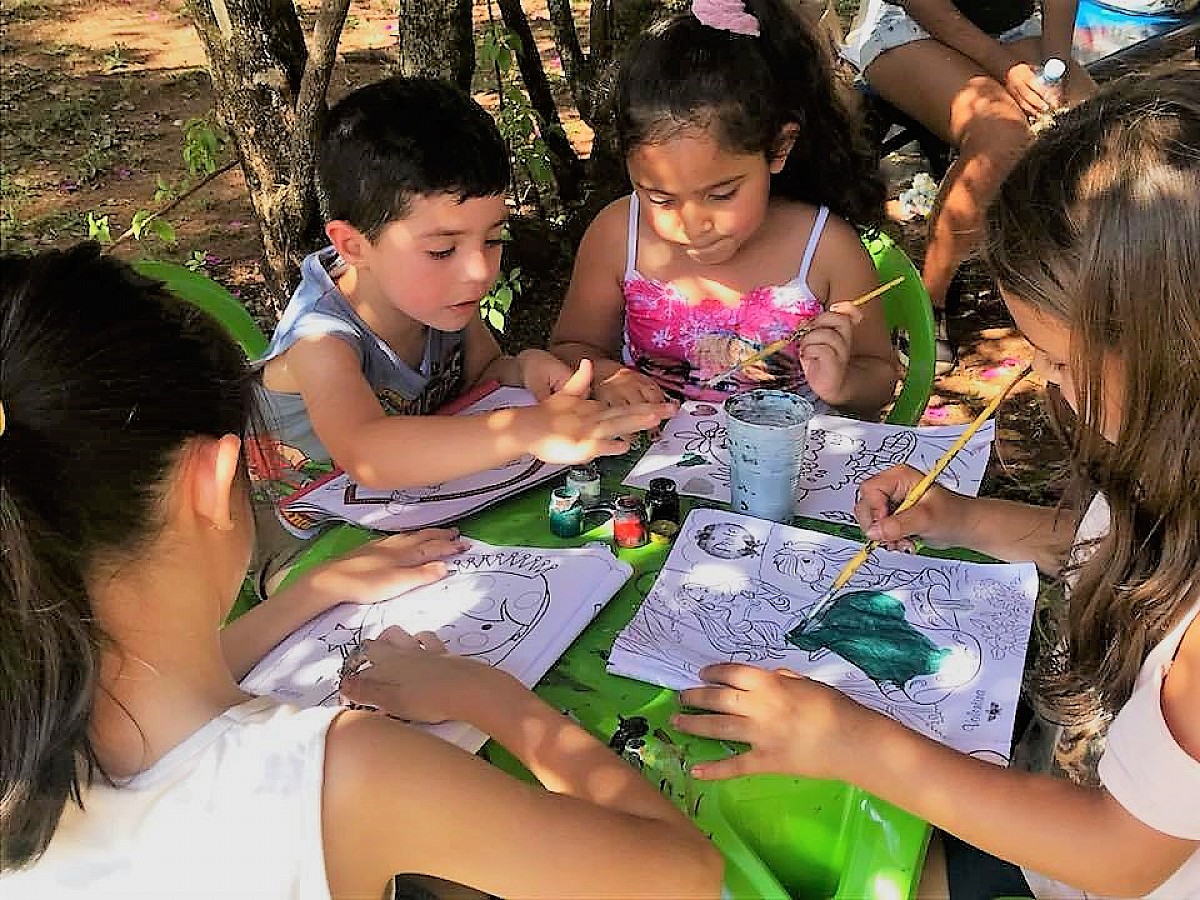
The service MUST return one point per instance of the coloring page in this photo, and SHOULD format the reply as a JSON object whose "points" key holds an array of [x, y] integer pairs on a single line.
{"points": [[407, 509], [840, 454], [516, 608], [936, 644]]}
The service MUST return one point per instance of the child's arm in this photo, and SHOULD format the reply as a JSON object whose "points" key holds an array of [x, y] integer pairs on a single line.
{"points": [[539, 371], [848, 357], [1078, 835], [382, 451], [949, 26], [377, 571], [1003, 529], [592, 320], [399, 801]]}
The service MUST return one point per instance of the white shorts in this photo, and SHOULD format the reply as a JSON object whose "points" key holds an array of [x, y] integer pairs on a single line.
{"points": [[881, 26]]}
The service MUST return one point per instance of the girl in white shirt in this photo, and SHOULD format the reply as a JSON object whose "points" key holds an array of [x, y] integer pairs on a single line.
{"points": [[1095, 244], [132, 765]]}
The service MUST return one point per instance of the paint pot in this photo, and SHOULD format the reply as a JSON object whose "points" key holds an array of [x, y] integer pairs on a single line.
{"points": [[662, 532], [766, 431], [629, 522], [662, 500], [585, 479], [565, 512]]}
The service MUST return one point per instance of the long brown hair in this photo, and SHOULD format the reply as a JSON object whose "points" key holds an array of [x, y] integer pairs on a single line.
{"points": [[1099, 227]]}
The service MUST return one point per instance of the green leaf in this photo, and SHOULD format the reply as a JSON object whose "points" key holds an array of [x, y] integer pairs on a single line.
{"points": [[163, 230], [496, 319], [98, 229], [141, 219]]}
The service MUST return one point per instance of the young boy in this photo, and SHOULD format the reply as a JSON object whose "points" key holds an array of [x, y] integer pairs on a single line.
{"points": [[385, 326]]}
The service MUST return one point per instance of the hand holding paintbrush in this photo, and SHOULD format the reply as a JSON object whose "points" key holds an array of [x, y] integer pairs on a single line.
{"points": [[914, 495], [775, 346]]}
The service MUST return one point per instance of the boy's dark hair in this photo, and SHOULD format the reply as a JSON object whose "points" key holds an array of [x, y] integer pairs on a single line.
{"points": [[104, 377], [399, 138], [682, 74]]}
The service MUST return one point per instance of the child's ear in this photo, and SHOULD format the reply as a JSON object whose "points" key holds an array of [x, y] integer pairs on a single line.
{"points": [[783, 146], [215, 484], [351, 244]]}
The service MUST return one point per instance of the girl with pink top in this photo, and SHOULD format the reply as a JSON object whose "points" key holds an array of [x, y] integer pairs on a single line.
{"points": [[749, 181], [1094, 240]]}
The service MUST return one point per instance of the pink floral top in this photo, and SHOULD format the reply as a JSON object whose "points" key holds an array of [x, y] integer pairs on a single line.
{"points": [[682, 344]]}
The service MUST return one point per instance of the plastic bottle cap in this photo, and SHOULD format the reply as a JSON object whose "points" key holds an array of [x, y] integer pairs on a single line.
{"points": [[1054, 70]]}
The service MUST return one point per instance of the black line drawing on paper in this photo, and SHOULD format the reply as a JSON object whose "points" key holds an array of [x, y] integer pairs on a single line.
{"points": [[396, 501], [840, 454], [728, 541], [934, 643]]}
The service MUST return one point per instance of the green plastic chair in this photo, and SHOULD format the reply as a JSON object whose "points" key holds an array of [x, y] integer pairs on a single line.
{"points": [[907, 309], [210, 297], [226, 309]]}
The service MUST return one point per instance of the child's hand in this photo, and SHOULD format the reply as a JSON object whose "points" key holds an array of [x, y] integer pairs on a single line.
{"points": [[939, 518], [542, 373], [411, 676], [826, 350], [794, 726], [569, 428], [387, 568], [626, 387]]}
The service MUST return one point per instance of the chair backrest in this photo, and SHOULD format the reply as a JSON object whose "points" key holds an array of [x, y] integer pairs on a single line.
{"points": [[210, 297], [908, 309]]}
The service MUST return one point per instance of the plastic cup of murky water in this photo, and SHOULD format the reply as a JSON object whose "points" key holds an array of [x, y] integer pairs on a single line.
{"points": [[766, 431]]}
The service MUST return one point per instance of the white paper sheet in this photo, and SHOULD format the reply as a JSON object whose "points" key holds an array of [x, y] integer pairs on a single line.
{"points": [[407, 509], [517, 608], [841, 454], [937, 644]]}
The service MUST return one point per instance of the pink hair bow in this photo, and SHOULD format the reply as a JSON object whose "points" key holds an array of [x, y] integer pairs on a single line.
{"points": [[726, 15]]}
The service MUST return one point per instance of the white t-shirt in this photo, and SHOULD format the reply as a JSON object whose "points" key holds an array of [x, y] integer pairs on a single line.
{"points": [[1142, 766], [233, 811]]}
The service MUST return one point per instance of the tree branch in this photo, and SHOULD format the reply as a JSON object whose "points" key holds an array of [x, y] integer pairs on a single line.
{"points": [[566, 39], [167, 207]]}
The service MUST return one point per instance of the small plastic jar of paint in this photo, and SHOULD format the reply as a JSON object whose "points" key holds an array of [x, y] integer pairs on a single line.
{"points": [[565, 512], [629, 522], [662, 500], [585, 479], [662, 532]]}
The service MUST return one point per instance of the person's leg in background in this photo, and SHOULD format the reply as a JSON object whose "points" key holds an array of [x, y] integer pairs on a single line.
{"points": [[955, 99]]}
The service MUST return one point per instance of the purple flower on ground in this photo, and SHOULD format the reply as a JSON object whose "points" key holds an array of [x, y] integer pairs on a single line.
{"points": [[937, 414], [124, 173]]}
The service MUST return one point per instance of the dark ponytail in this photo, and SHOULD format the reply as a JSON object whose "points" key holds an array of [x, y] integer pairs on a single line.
{"points": [[682, 74], [103, 378]]}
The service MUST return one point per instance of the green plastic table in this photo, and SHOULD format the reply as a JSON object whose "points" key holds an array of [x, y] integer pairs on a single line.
{"points": [[781, 837]]}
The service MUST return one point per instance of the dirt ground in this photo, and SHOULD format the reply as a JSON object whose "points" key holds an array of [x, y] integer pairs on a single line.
{"points": [[94, 100]]}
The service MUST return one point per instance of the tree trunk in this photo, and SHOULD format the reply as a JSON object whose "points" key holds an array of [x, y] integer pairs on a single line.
{"points": [[612, 25], [568, 173], [270, 95], [437, 38]]}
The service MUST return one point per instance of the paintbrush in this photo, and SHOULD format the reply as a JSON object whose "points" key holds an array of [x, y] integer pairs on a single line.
{"points": [[775, 346], [911, 498]]}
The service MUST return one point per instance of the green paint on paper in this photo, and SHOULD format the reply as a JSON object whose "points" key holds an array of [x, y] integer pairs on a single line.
{"points": [[868, 629]]}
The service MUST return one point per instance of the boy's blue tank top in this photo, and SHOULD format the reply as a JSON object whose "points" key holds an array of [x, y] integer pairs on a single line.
{"points": [[319, 308]]}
